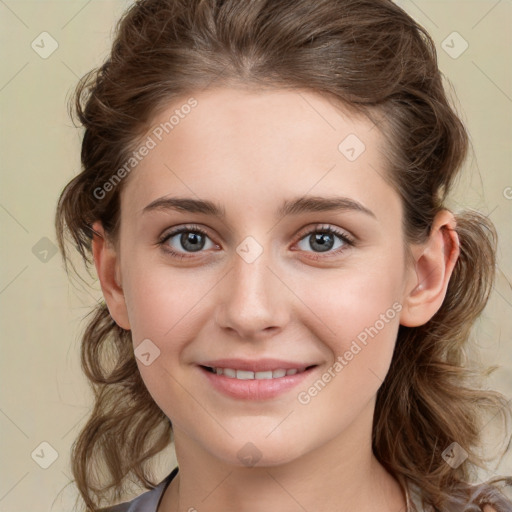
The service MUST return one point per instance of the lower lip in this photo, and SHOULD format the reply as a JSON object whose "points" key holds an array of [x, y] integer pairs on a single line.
{"points": [[254, 389]]}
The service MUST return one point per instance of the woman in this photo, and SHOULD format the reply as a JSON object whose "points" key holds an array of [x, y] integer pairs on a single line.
{"points": [[287, 298]]}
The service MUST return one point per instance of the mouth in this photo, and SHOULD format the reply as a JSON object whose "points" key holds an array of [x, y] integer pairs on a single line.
{"points": [[234, 373], [261, 380]]}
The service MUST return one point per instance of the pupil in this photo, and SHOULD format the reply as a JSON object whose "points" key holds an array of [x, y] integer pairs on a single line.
{"points": [[192, 241], [324, 240]]}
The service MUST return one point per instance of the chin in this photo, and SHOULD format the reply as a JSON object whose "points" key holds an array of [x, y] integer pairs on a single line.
{"points": [[257, 454]]}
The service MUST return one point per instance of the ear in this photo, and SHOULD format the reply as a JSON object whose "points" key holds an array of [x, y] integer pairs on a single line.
{"points": [[433, 264], [107, 268]]}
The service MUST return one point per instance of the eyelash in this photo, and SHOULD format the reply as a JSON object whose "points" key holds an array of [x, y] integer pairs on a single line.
{"points": [[346, 239]]}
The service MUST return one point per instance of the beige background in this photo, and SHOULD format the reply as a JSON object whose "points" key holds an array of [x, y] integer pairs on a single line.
{"points": [[43, 397]]}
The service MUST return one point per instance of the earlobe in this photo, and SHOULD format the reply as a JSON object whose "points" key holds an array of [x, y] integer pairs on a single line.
{"points": [[434, 262], [107, 268]]}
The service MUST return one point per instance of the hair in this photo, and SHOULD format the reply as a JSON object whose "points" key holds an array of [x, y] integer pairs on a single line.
{"points": [[370, 57]]}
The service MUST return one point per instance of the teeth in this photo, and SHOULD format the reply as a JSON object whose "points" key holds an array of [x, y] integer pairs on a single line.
{"points": [[263, 375], [244, 375], [248, 375]]}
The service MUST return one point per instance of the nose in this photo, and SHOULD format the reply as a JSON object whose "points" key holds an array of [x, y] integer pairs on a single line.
{"points": [[253, 301]]}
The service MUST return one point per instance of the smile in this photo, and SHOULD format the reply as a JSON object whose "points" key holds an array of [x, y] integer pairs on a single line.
{"points": [[248, 375], [256, 380]]}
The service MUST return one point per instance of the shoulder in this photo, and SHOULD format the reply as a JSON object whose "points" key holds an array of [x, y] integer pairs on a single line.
{"points": [[135, 505], [146, 502], [122, 507]]}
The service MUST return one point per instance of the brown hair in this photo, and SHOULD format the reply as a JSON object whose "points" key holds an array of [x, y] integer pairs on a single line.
{"points": [[370, 56]]}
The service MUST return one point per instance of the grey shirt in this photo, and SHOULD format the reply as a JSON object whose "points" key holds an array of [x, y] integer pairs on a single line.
{"points": [[146, 502], [150, 500]]}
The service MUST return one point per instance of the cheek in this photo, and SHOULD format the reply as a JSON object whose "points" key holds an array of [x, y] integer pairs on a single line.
{"points": [[353, 300], [167, 308], [359, 325], [160, 300], [356, 315]]}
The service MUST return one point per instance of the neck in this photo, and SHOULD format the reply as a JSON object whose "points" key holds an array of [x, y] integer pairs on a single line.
{"points": [[340, 475]]}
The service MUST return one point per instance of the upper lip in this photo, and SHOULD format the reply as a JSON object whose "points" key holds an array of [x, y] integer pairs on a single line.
{"points": [[256, 365]]}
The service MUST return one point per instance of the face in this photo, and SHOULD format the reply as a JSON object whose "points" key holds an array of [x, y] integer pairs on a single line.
{"points": [[282, 281]]}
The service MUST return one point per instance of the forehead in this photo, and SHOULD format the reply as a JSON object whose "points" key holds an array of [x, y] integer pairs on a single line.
{"points": [[256, 147], [227, 117]]}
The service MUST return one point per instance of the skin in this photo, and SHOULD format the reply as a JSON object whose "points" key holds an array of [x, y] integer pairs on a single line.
{"points": [[249, 151]]}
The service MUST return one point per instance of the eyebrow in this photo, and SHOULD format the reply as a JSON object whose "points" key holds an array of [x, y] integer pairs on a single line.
{"points": [[305, 204]]}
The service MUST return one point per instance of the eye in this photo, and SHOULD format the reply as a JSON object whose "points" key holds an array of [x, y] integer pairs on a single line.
{"points": [[194, 239], [191, 239], [323, 240]]}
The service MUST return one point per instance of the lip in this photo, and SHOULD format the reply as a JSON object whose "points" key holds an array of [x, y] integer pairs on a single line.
{"points": [[255, 389], [259, 365]]}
